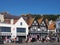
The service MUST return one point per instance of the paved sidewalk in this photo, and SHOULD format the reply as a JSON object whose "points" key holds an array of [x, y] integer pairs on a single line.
{"points": [[34, 43]]}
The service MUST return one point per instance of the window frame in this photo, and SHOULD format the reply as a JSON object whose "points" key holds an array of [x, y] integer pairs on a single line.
{"points": [[5, 29], [20, 30]]}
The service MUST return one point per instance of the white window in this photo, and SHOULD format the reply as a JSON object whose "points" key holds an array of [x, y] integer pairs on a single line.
{"points": [[35, 27], [31, 29], [36, 24], [39, 29], [34, 21], [43, 29]]}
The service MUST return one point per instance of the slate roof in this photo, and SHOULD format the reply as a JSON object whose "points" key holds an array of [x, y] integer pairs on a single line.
{"points": [[9, 16]]}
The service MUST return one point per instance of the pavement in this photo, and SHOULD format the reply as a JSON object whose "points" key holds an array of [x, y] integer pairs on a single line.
{"points": [[34, 43]]}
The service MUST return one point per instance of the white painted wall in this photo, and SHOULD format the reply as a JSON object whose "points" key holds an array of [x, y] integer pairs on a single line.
{"points": [[24, 25], [14, 26], [4, 25], [57, 24], [13, 32], [52, 31], [21, 20]]}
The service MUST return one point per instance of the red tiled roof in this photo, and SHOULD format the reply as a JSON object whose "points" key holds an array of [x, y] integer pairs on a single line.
{"points": [[40, 20], [7, 21], [9, 16], [30, 21], [15, 20]]}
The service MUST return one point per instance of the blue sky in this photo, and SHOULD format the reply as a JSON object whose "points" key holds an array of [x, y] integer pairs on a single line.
{"points": [[18, 7]]}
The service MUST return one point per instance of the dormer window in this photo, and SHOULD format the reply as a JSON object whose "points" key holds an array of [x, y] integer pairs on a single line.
{"points": [[21, 23]]}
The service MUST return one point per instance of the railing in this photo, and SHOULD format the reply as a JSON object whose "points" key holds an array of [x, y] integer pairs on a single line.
{"points": [[5, 33], [21, 34], [38, 31]]}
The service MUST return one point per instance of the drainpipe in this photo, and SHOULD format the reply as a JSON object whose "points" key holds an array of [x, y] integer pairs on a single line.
{"points": [[11, 22], [26, 36]]}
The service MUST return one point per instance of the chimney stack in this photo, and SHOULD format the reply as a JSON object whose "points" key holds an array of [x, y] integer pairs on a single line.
{"points": [[12, 21]]}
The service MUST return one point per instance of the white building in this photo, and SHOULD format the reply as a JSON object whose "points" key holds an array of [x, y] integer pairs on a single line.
{"points": [[58, 25], [13, 30]]}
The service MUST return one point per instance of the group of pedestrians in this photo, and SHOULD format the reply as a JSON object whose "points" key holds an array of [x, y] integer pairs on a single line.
{"points": [[33, 38]]}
